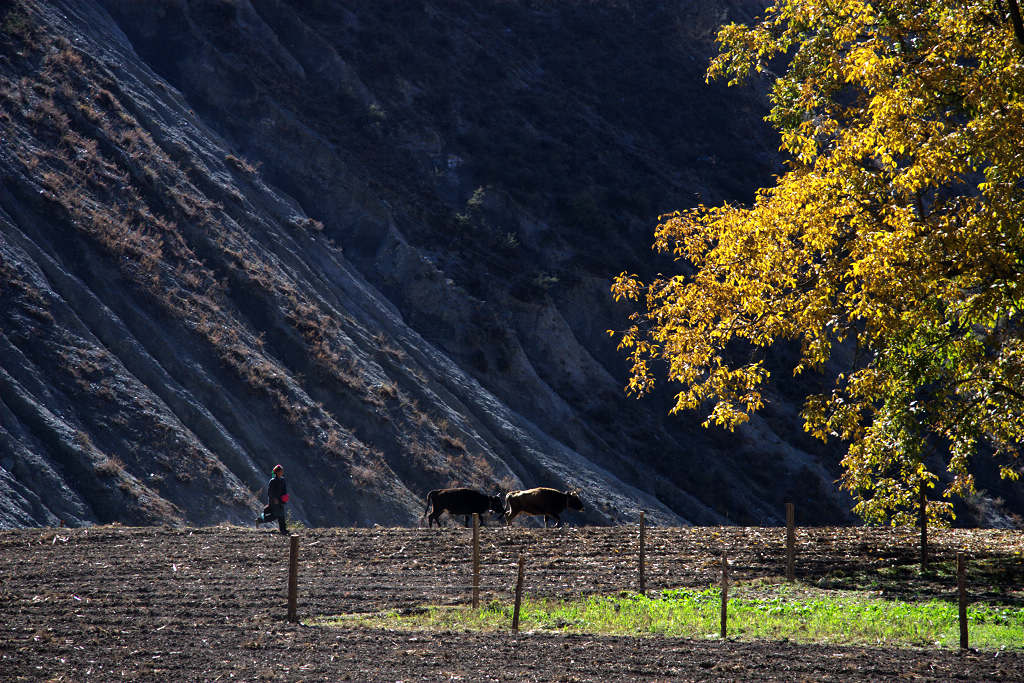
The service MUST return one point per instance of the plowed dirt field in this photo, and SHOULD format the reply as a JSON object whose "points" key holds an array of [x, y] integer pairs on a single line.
{"points": [[205, 604]]}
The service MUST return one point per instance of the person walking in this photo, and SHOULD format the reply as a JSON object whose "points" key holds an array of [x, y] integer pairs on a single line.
{"points": [[277, 492]]}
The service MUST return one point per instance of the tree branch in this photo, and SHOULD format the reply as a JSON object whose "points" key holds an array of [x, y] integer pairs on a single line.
{"points": [[1015, 19], [999, 386]]}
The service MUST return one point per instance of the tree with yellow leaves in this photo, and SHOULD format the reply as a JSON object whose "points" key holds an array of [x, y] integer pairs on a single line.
{"points": [[897, 229]]}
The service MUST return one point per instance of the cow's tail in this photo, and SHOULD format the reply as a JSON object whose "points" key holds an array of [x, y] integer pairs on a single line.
{"points": [[430, 504]]}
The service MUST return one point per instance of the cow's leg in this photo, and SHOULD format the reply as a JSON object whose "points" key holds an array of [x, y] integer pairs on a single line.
{"points": [[545, 521]]}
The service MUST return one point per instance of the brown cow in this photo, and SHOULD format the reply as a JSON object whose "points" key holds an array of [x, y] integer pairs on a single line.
{"points": [[460, 501], [541, 501]]}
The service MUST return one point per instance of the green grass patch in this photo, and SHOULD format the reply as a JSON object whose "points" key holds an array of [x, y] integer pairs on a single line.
{"points": [[756, 613]]}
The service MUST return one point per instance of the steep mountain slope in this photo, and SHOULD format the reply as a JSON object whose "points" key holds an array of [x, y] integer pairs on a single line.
{"points": [[369, 240]]}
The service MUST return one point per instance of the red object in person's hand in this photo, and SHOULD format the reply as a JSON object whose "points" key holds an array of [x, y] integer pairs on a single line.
{"points": [[284, 498]]}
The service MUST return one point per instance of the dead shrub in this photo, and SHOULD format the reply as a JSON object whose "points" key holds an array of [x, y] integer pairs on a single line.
{"points": [[110, 466], [240, 164], [363, 476]]}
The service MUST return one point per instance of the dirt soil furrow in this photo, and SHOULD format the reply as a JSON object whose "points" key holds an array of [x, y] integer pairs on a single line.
{"points": [[158, 603]]}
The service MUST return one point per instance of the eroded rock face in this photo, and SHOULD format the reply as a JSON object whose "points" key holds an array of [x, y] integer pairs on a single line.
{"points": [[371, 241]]}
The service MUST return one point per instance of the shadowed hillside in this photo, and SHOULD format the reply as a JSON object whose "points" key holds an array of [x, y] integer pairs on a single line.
{"points": [[369, 240]]}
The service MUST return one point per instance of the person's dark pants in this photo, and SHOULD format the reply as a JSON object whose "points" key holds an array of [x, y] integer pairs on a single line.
{"points": [[276, 511]]}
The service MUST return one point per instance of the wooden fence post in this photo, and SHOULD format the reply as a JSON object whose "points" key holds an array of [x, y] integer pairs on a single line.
{"points": [[790, 543], [476, 560], [961, 591], [643, 579], [725, 591], [519, 594], [923, 517], [293, 580]]}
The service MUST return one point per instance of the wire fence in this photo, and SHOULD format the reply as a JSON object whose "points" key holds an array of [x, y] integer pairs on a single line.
{"points": [[422, 567]]}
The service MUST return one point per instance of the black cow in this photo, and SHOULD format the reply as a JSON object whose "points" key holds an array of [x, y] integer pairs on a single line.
{"points": [[461, 502], [541, 501]]}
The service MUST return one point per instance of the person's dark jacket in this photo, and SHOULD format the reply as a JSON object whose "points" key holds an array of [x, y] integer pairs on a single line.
{"points": [[277, 491]]}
